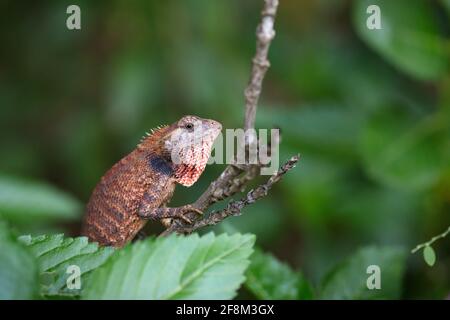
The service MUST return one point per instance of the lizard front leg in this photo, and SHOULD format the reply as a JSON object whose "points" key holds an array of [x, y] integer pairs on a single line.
{"points": [[146, 211]]}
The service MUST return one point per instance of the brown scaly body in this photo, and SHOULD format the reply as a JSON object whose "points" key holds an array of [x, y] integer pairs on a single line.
{"points": [[138, 187]]}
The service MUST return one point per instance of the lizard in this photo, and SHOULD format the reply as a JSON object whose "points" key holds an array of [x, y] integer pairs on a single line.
{"points": [[138, 187]]}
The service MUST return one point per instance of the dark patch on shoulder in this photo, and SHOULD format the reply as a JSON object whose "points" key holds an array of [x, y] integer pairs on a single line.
{"points": [[148, 197], [160, 165]]}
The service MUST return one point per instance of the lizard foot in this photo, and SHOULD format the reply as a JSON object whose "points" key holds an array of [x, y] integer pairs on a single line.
{"points": [[184, 210]]}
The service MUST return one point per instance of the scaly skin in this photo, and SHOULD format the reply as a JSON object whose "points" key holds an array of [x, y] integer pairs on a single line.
{"points": [[138, 187]]}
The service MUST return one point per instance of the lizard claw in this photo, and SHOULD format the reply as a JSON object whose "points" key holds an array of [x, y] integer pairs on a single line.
{"points": [[194, 209], [188, 209], [185, 219]]}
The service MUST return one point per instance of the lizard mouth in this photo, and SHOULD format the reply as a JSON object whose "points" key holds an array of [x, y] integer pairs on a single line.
{"points": [[212, 127]]}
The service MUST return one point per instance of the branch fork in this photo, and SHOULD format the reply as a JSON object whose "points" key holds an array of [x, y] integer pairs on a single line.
{"points": [[235, 178]]}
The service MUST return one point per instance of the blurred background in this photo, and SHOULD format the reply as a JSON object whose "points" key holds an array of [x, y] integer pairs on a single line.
{"points": [[369, 112]]}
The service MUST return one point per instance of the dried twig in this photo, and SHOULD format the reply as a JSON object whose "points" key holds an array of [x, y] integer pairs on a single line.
{"points": [[235, 207], [234, 178], [265, 34]]}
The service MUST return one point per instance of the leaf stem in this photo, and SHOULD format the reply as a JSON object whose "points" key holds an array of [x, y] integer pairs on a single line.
{"points": [[431, 241]]}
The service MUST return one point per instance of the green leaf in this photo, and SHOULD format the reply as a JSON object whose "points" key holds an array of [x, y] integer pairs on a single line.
{"points": [[23, 201], [446, 4], [429, 256], [405, 151], [18, 268], [175, 267], [379, 204], [349, 279], [314, 188], [409, 37], [270, 279], [55, 254], [266, 230], [327, 128]]}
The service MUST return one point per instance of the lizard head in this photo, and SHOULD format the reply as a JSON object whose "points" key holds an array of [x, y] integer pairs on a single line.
{"points": [[188, 143]]}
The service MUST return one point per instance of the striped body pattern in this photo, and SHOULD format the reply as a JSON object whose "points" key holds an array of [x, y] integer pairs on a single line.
{"points": [[140, 185]]}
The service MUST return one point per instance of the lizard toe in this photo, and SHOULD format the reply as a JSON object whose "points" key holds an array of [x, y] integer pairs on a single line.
{"points": [[185, 219], [190, 208]]}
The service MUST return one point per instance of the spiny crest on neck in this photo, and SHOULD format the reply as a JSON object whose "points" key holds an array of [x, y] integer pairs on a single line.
{"points": [[153, 135], [184, 146]]}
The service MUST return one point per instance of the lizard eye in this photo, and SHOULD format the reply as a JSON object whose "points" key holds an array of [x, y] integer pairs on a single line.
{"points": [[189, 126]]}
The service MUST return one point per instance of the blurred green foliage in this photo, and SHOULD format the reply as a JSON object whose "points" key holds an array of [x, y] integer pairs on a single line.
{"points": [[18, 271], [346, 281], [369, 111], [270, 279], [41, 203]]}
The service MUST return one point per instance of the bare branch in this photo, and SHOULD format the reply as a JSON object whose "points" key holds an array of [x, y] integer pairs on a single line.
{"points": [[234, 178], [265, 34], [235, 207]]}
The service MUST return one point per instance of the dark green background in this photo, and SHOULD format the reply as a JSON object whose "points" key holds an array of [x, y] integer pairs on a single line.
{"points": [[369, 112]]}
